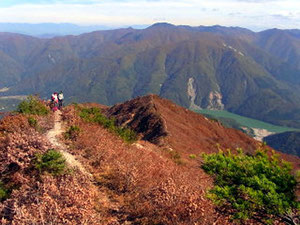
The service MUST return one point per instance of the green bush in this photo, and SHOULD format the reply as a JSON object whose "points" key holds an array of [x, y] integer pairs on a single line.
{"points": [[192, 156], [72, 132], [94, 115], [3, 192], [258, 186], [32, 122], [32, 105], [127, 134], [52, 162]]}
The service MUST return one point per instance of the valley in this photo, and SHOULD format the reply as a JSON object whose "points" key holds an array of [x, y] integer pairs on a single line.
{"points": [[243, 123], [152, 112], [227, 68]]}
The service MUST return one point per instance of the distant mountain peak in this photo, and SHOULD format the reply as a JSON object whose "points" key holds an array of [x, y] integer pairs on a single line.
{"points": [[162, 25]]}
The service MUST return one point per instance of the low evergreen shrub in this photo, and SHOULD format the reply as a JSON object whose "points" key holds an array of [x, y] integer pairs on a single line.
{"points": [[52, 162], [127, 134], [32, 105], [258, 186], [72, 132], [192, 156], [94, 115], [3, 192], [32, 122]]}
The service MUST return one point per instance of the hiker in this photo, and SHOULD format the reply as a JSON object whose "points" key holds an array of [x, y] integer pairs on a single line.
{"points": [[54, 101], [60, 99]]}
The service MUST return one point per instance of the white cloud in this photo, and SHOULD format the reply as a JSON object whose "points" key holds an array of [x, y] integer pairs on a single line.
{"points": [[245, 13]]}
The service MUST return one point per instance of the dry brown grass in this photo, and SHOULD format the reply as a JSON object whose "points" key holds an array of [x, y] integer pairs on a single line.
{"points": [[133, 184], [153, 189], [37, 198]]}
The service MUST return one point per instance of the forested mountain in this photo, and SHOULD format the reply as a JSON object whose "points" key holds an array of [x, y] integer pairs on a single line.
{"points": [[288, 142], [232, 68]]}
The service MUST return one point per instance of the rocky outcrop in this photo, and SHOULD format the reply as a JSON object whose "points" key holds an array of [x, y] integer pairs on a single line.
{"points": [[140, 115], [191, 91], [215, 101], [162, 122]]}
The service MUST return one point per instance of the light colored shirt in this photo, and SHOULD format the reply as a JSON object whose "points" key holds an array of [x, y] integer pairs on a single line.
{"points": [[60, 96]]}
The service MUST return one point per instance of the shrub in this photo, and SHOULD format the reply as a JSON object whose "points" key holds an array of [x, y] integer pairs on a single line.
{"points": [[127, 134], [192, 156], [258, 186], [32, 122], [176, 157], [3, 192], [94, 115], [72, 132], [52, 162], [32, 105]]}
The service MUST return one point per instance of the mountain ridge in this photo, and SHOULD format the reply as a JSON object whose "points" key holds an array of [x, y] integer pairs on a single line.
{"points": [[107, 180], [234, 71]]}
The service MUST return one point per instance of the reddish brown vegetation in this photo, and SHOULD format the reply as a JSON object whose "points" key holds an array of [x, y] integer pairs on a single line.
{"points": [[176, 126], [143, 117], [143, 184], [162, 122], [133, 184], [148, 188], [36, 198]]}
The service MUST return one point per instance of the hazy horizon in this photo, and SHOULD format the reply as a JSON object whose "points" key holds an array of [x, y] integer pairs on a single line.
{"points": [[256, 15], [61, 29]]}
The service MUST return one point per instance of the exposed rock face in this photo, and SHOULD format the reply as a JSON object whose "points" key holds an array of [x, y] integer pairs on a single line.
{"points": [[260, 134], [141, 115], [162, 122], [215, 101], [191, 91]]}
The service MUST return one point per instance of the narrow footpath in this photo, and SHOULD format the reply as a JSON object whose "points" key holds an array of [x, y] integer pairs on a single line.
{"points": [[53, 137], [107, 203]]}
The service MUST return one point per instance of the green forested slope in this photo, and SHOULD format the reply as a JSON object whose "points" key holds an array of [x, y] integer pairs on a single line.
{"points": [[230, 67]]}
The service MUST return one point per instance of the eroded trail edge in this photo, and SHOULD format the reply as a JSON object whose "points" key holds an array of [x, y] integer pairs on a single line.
{"points": [[53, 137]]}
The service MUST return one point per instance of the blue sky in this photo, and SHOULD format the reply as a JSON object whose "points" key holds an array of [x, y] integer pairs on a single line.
{"points": [[253, 14]]}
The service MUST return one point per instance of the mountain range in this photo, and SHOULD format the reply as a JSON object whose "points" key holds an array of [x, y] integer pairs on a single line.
{"points": [[232, 68]]}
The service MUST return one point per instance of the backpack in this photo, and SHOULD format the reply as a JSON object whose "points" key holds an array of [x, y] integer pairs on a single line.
{"points": [[60, 96], [54, 98]]}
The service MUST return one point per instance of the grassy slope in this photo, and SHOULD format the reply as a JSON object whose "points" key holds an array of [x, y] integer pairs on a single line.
{"points": [[247, 122]]}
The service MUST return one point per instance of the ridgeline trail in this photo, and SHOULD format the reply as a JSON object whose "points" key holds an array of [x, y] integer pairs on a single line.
{"points": [[53, 137], [107, 202]]}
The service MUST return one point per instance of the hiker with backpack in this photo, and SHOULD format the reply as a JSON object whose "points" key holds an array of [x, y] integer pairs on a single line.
{"points": [[54, 101], [60, 99]]}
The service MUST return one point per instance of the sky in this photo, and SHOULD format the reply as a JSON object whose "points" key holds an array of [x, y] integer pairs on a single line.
{"points": [[253, 14]]}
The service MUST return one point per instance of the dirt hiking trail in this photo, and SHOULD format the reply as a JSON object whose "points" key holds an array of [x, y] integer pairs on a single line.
{"points": [[53, 137], [104, 200]]}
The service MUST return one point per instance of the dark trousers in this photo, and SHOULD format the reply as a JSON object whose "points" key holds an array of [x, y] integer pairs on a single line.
{"points": [[60, 104]]}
